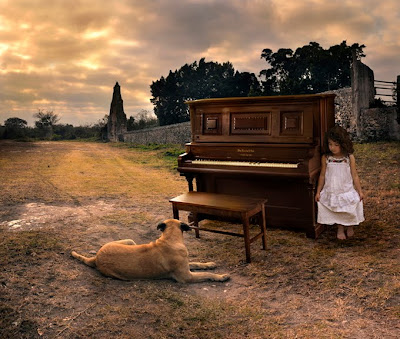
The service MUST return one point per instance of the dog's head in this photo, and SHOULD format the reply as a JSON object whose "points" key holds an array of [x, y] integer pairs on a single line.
{"points": [[173, 223]]}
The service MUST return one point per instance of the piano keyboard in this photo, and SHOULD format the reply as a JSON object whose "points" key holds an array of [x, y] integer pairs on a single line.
{"points": [[244, 163]]}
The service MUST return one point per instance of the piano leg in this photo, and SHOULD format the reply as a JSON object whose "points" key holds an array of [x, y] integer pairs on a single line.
{"points": [[316, 229], [189, 178]]}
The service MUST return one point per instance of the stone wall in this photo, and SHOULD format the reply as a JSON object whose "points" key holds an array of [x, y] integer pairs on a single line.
{"points": [[374, 124], [378, 124], [343, 107], [171, 134]]}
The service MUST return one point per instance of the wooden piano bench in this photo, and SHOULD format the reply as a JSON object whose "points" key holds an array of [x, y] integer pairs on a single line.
{"points": [[222, 205]]}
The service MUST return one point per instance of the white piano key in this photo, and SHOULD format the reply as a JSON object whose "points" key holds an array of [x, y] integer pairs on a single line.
{"points": [[244, 163]]}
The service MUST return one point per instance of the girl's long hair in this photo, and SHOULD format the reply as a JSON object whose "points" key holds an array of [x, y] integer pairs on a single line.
{"points": [[339, 135]]}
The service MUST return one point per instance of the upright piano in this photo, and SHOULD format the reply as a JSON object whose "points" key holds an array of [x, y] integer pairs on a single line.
{"points": [[262, 147]]}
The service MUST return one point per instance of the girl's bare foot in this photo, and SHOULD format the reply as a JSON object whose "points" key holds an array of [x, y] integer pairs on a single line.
{"points": [[340, 233], [350, 231]]}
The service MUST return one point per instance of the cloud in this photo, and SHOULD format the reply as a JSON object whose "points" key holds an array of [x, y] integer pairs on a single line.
{"points": [[66, 56]]}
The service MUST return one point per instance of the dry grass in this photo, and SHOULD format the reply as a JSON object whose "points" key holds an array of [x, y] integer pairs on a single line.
{"points": [[58, 196]]}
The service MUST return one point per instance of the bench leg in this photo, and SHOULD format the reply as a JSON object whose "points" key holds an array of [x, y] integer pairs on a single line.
{"points": [[264, 227], [246, 233], [175, 212], [196, 224]]}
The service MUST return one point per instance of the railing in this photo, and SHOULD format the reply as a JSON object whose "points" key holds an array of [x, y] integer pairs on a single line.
{"points": [[386, 89], [390, 89]]}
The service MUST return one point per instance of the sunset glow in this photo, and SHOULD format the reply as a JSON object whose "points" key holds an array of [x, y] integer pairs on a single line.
{"points": [[66, 56]]}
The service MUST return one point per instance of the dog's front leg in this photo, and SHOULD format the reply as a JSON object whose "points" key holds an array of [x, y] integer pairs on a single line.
{"points": [[193, 277], [202, 266]]}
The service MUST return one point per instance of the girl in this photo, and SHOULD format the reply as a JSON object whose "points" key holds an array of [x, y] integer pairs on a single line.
{"points": [[339, 194]]}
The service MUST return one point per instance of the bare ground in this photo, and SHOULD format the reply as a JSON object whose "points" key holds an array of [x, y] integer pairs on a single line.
{"points": [[60, 196]]}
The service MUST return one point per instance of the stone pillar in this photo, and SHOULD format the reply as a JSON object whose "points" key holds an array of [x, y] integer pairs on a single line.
{"points": [[363, 93], [117, 122]]}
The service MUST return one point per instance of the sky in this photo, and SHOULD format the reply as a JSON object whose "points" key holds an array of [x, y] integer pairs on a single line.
{"points": [[65, 56]]}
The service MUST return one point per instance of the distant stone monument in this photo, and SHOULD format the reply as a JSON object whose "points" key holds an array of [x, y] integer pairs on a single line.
{"points": [[117, 122]]}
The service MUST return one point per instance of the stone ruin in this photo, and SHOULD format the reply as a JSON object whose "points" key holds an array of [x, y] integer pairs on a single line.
{"points": [[117, 122], [368, 123], [354, 109]]}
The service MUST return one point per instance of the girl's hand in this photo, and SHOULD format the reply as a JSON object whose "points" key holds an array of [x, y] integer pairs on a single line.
{"points": [[317, 196], [361, 194]]}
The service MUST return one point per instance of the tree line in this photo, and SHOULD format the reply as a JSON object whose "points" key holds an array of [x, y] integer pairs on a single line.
{"points": [[308, 69], [47, 128]]}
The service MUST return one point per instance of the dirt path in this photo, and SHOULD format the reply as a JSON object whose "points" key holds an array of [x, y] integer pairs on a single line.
{"points": [[60, 196]]}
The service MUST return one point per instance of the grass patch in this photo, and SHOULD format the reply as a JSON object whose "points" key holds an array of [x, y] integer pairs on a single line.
{"points": [[126, 218], [299, 287], [157, 155], [27, 246], [12, 326]]}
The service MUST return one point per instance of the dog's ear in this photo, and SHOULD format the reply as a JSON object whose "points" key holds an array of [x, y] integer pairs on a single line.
{"points": [[161, 226], [185, 227]]}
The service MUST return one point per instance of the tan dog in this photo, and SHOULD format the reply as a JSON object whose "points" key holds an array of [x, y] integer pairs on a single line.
{"points": [[167, 257]]}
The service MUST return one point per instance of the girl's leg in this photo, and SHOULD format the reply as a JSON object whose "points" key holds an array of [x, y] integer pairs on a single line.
{"points": [[340, 233], [349, 231]]}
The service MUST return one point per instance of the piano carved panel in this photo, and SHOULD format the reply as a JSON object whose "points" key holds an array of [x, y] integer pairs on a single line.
{"points": [[292, 123], [212, 124], [251, 123], [266, 122]]}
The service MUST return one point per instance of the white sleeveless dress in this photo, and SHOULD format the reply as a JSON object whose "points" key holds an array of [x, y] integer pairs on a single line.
{"points": [[339, 202]]}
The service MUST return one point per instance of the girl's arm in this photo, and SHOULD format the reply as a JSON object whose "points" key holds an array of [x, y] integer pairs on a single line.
{"points": [[354, 174], [321, 179]]}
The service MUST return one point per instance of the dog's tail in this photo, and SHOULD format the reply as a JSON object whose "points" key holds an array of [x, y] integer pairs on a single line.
{"points": [[88, 261]]}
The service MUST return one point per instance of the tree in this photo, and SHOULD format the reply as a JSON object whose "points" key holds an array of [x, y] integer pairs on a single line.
{"points": [[130, 124], [101, 127], [15, 128], [310, 69], [63, 132], [45, 123], [143, 120], [198, 80], [45, 119]]}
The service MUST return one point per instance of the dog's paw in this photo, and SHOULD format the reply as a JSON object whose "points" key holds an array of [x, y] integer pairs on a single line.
{"points": [[211, 265], [224, 277]]}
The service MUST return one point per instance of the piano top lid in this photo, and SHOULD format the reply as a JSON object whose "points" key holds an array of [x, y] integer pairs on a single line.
{"points": [[262, 99]]}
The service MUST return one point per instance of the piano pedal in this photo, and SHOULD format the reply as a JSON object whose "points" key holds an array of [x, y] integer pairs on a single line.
{"points": [[190, 218]]}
